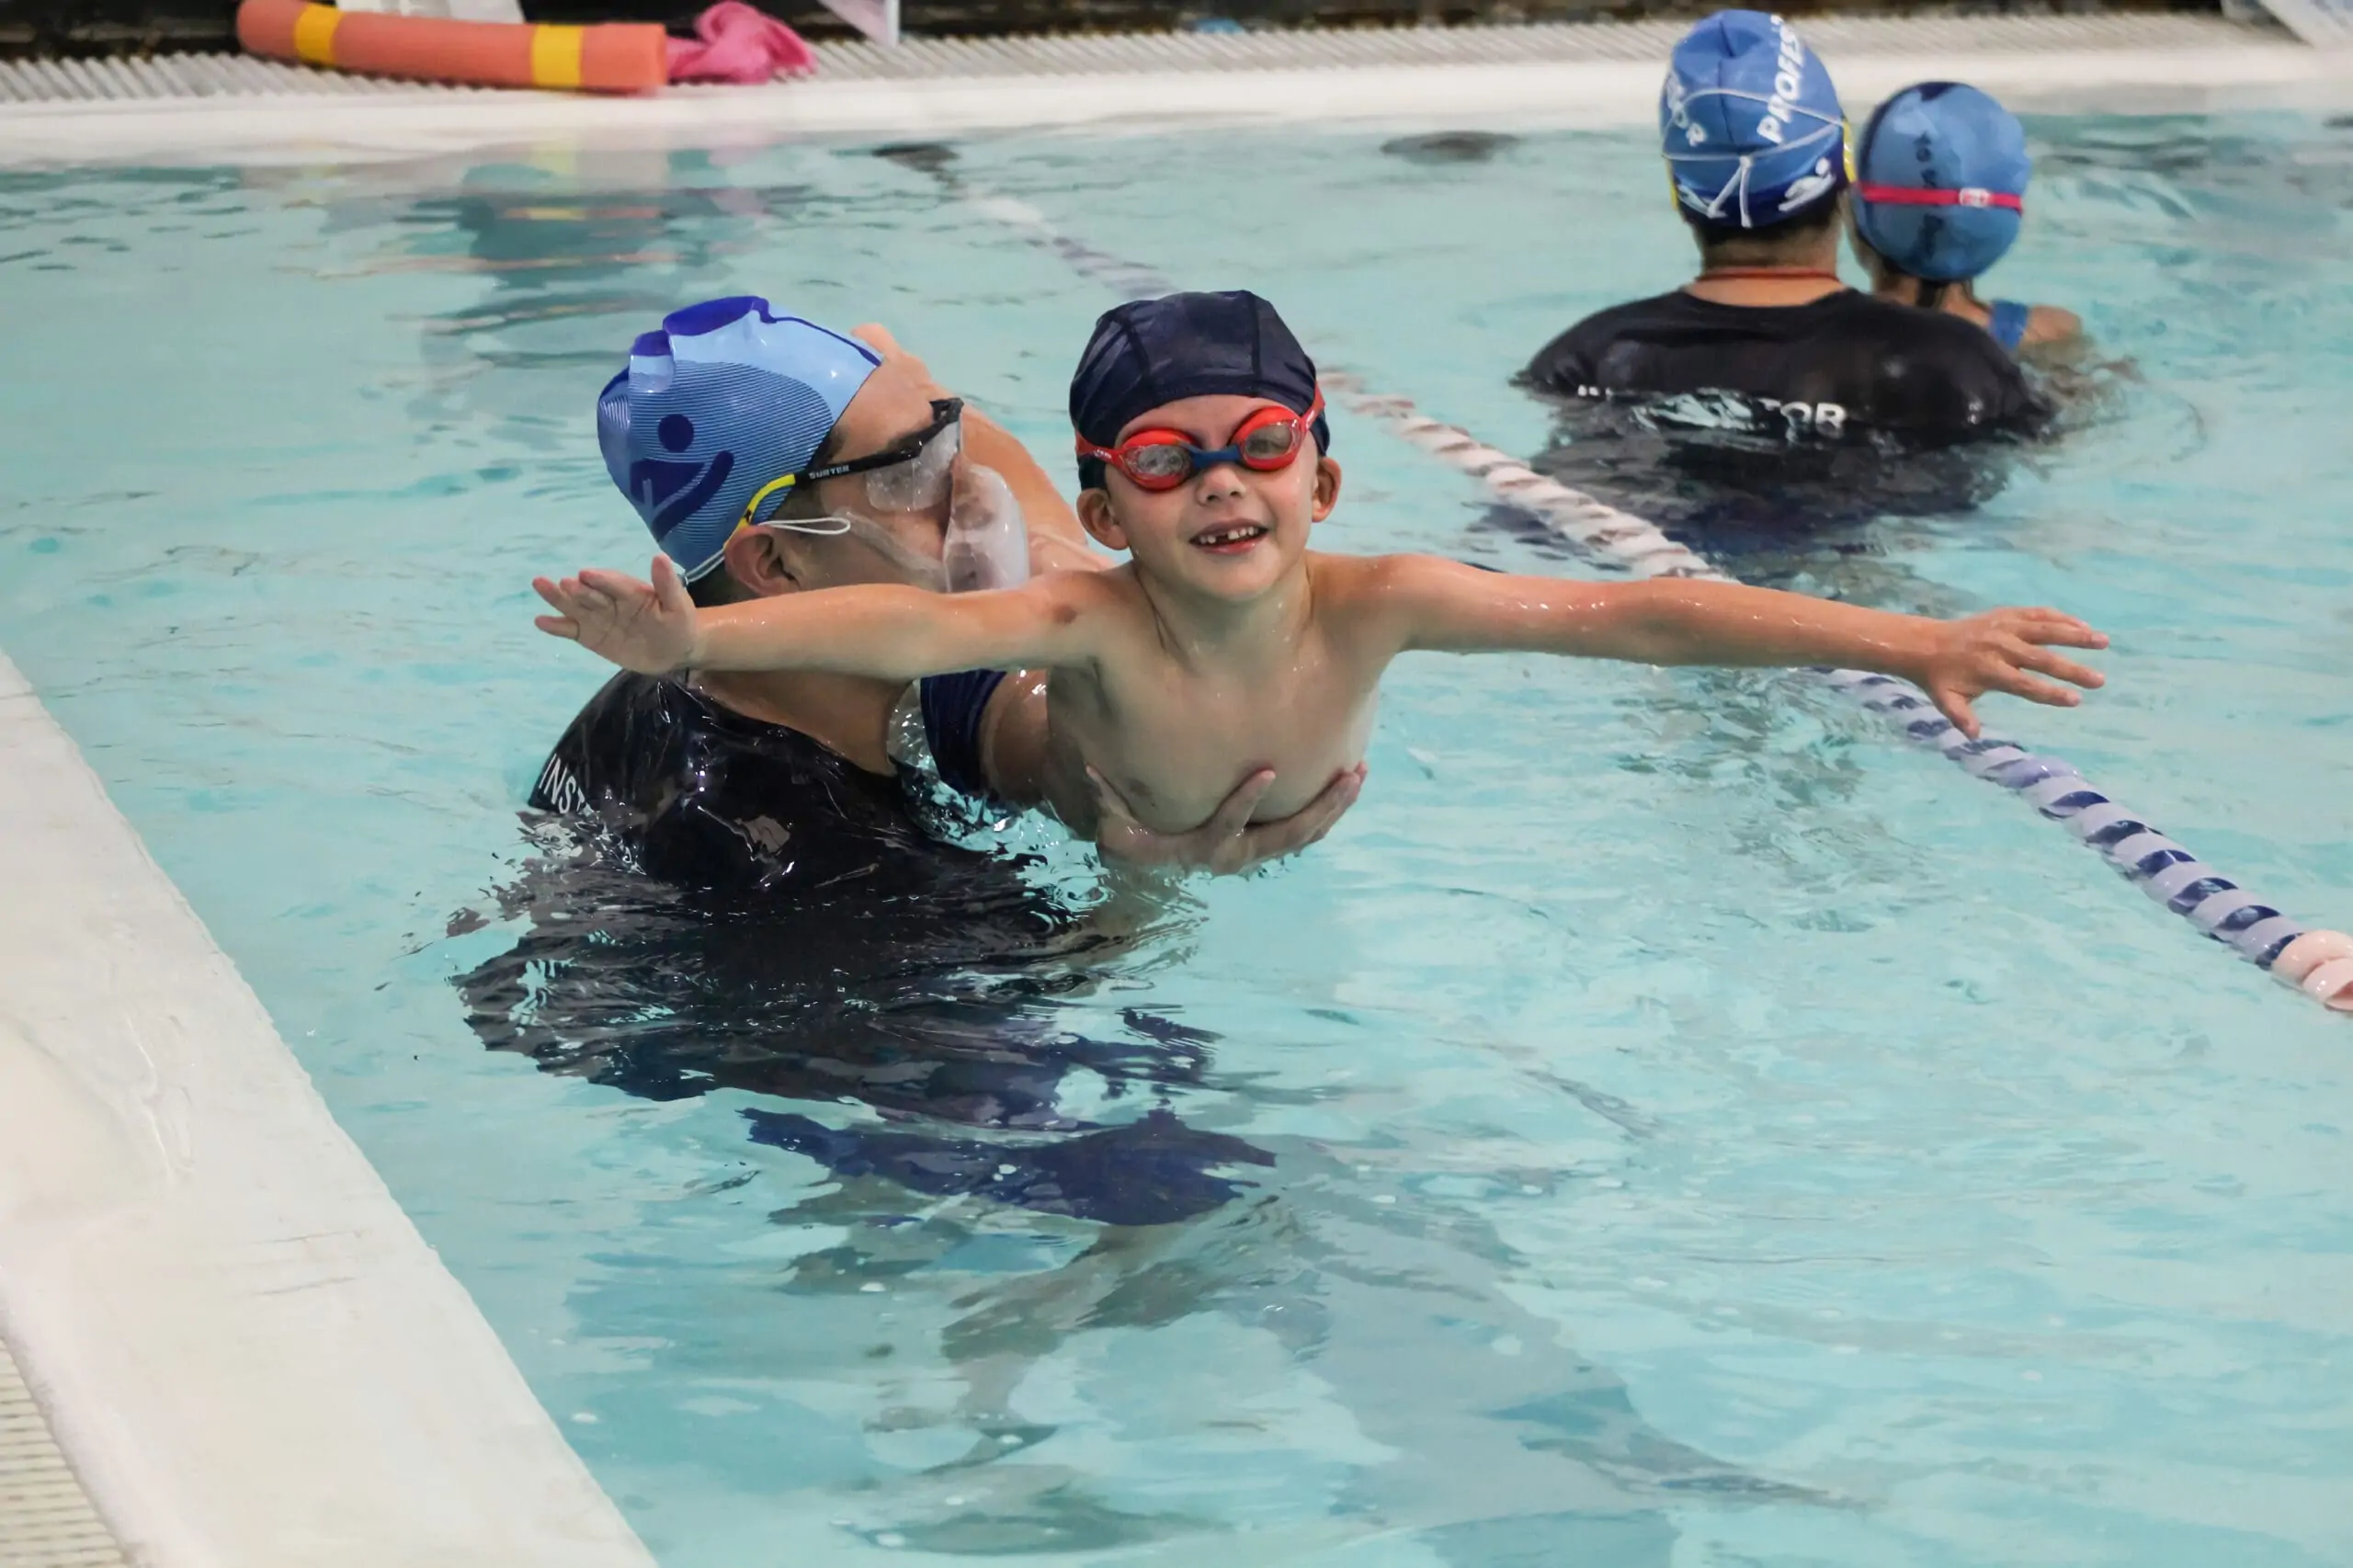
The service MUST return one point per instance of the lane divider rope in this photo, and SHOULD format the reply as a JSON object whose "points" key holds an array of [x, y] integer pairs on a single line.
{"points": [[2319, 963]]}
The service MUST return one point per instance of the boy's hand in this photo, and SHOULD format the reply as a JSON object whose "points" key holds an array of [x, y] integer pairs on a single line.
{"points": [[647, 627], [1229, 843], [1993, 652]]}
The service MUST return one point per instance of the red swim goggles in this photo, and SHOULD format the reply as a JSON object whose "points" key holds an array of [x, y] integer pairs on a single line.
{"points": [[1268, 441]]}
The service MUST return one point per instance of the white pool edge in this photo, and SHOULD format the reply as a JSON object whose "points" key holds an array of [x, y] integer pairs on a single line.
{"points": [[2242, 72], [244, 1347]]}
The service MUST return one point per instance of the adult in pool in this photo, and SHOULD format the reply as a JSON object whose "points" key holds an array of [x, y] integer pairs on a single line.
{"points": [[1940, 191], [1756, 152], [769, 456], [738, 890]]}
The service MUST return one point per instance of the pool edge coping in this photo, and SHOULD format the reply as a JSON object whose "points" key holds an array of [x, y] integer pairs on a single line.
{"points": [[2233, 68], [246, 1352]]}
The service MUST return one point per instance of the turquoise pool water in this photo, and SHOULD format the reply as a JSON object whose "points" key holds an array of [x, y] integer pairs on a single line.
{"points": [[1703, 1131]]}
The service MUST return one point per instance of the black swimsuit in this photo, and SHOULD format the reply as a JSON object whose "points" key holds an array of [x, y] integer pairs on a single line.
{"points": [[1846, 359], [1737, 427], [722, 903]]}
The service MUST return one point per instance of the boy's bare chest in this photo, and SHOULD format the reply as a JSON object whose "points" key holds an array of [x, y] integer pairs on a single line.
{"points": [[1176, 741]]}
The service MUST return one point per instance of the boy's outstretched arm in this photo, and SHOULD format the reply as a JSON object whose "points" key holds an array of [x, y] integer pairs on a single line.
{"points": [[883, 631], [1451, 607]]}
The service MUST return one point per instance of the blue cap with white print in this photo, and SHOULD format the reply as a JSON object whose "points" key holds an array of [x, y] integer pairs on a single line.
{"points": [[726, 398], [1750, 124]]}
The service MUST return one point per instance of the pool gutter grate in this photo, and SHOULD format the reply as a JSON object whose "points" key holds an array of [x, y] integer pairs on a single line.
{"points": [[46, 1520]]}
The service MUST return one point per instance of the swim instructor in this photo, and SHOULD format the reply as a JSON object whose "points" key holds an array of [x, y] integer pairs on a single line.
{"points": [[768, 455], [1755, 147]]}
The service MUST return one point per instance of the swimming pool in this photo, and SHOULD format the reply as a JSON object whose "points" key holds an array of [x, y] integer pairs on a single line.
{"points": [[1701, 1130]]}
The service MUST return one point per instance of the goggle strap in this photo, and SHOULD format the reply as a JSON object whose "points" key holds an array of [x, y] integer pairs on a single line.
{"points": [[752, 507], [1298, 421], [948, 411], [1967, 196]]}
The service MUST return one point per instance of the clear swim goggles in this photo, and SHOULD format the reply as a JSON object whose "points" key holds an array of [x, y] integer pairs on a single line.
{"points": [[913, 476]]}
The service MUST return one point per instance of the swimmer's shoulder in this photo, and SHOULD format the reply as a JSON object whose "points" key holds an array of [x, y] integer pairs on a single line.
{"points": [[1939, 374], [1359, 590], [1072, 590], [631, 714], [1343, 574], [1943, 331], [1366, 603], [2049, 325], [629, 743], [1567, 363], [1107, 610], [1112, 589]]}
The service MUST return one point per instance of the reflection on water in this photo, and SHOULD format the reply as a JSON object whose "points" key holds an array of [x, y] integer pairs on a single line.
{"points": [[577, 258], [1468, 1424]]}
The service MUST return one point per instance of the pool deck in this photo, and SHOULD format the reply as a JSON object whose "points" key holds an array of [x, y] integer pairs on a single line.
{"points": [[235, 1350], [246, 1353]]}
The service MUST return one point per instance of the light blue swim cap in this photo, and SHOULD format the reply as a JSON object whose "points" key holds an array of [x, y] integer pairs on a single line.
{"points": [[1941, 181], [1749, 122], [724, 399]]}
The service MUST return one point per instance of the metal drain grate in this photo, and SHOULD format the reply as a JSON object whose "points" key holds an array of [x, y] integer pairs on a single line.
{"points": [[184, 77], [169, 77], [45, 1519]]}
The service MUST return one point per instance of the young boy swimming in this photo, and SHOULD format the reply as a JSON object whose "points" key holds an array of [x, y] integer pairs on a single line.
{"points": [[1224, 646]]}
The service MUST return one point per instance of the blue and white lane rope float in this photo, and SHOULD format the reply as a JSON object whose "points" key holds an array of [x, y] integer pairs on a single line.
{"points": [[2317, 962]]}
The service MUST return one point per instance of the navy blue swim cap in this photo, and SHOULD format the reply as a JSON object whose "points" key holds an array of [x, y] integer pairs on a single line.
{"points": [[1149, 352]]}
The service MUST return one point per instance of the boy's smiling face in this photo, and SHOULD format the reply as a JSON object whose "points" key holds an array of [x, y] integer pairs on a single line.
{"points": [[1227, 532]]}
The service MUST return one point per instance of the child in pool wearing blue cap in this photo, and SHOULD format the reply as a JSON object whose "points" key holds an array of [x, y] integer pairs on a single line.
{"points": [[1940, 190], [1224, 647]]}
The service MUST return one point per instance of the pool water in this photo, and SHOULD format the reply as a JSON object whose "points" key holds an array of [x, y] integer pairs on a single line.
{"points": [[1702, 1131]]}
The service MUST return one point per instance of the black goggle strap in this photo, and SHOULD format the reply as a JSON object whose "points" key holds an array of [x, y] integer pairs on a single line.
{"points": [[945, 412]]}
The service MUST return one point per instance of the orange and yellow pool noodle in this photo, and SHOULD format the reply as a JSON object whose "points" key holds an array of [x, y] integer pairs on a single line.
{"points": [[608, 57]]}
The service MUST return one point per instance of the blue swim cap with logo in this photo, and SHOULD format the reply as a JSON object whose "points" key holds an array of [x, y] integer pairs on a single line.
{"points": [[1750, 123], [727, 397], [1941, 181]]}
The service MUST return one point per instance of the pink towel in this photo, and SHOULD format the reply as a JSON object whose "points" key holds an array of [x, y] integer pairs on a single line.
{"points": [[739, 44]]}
